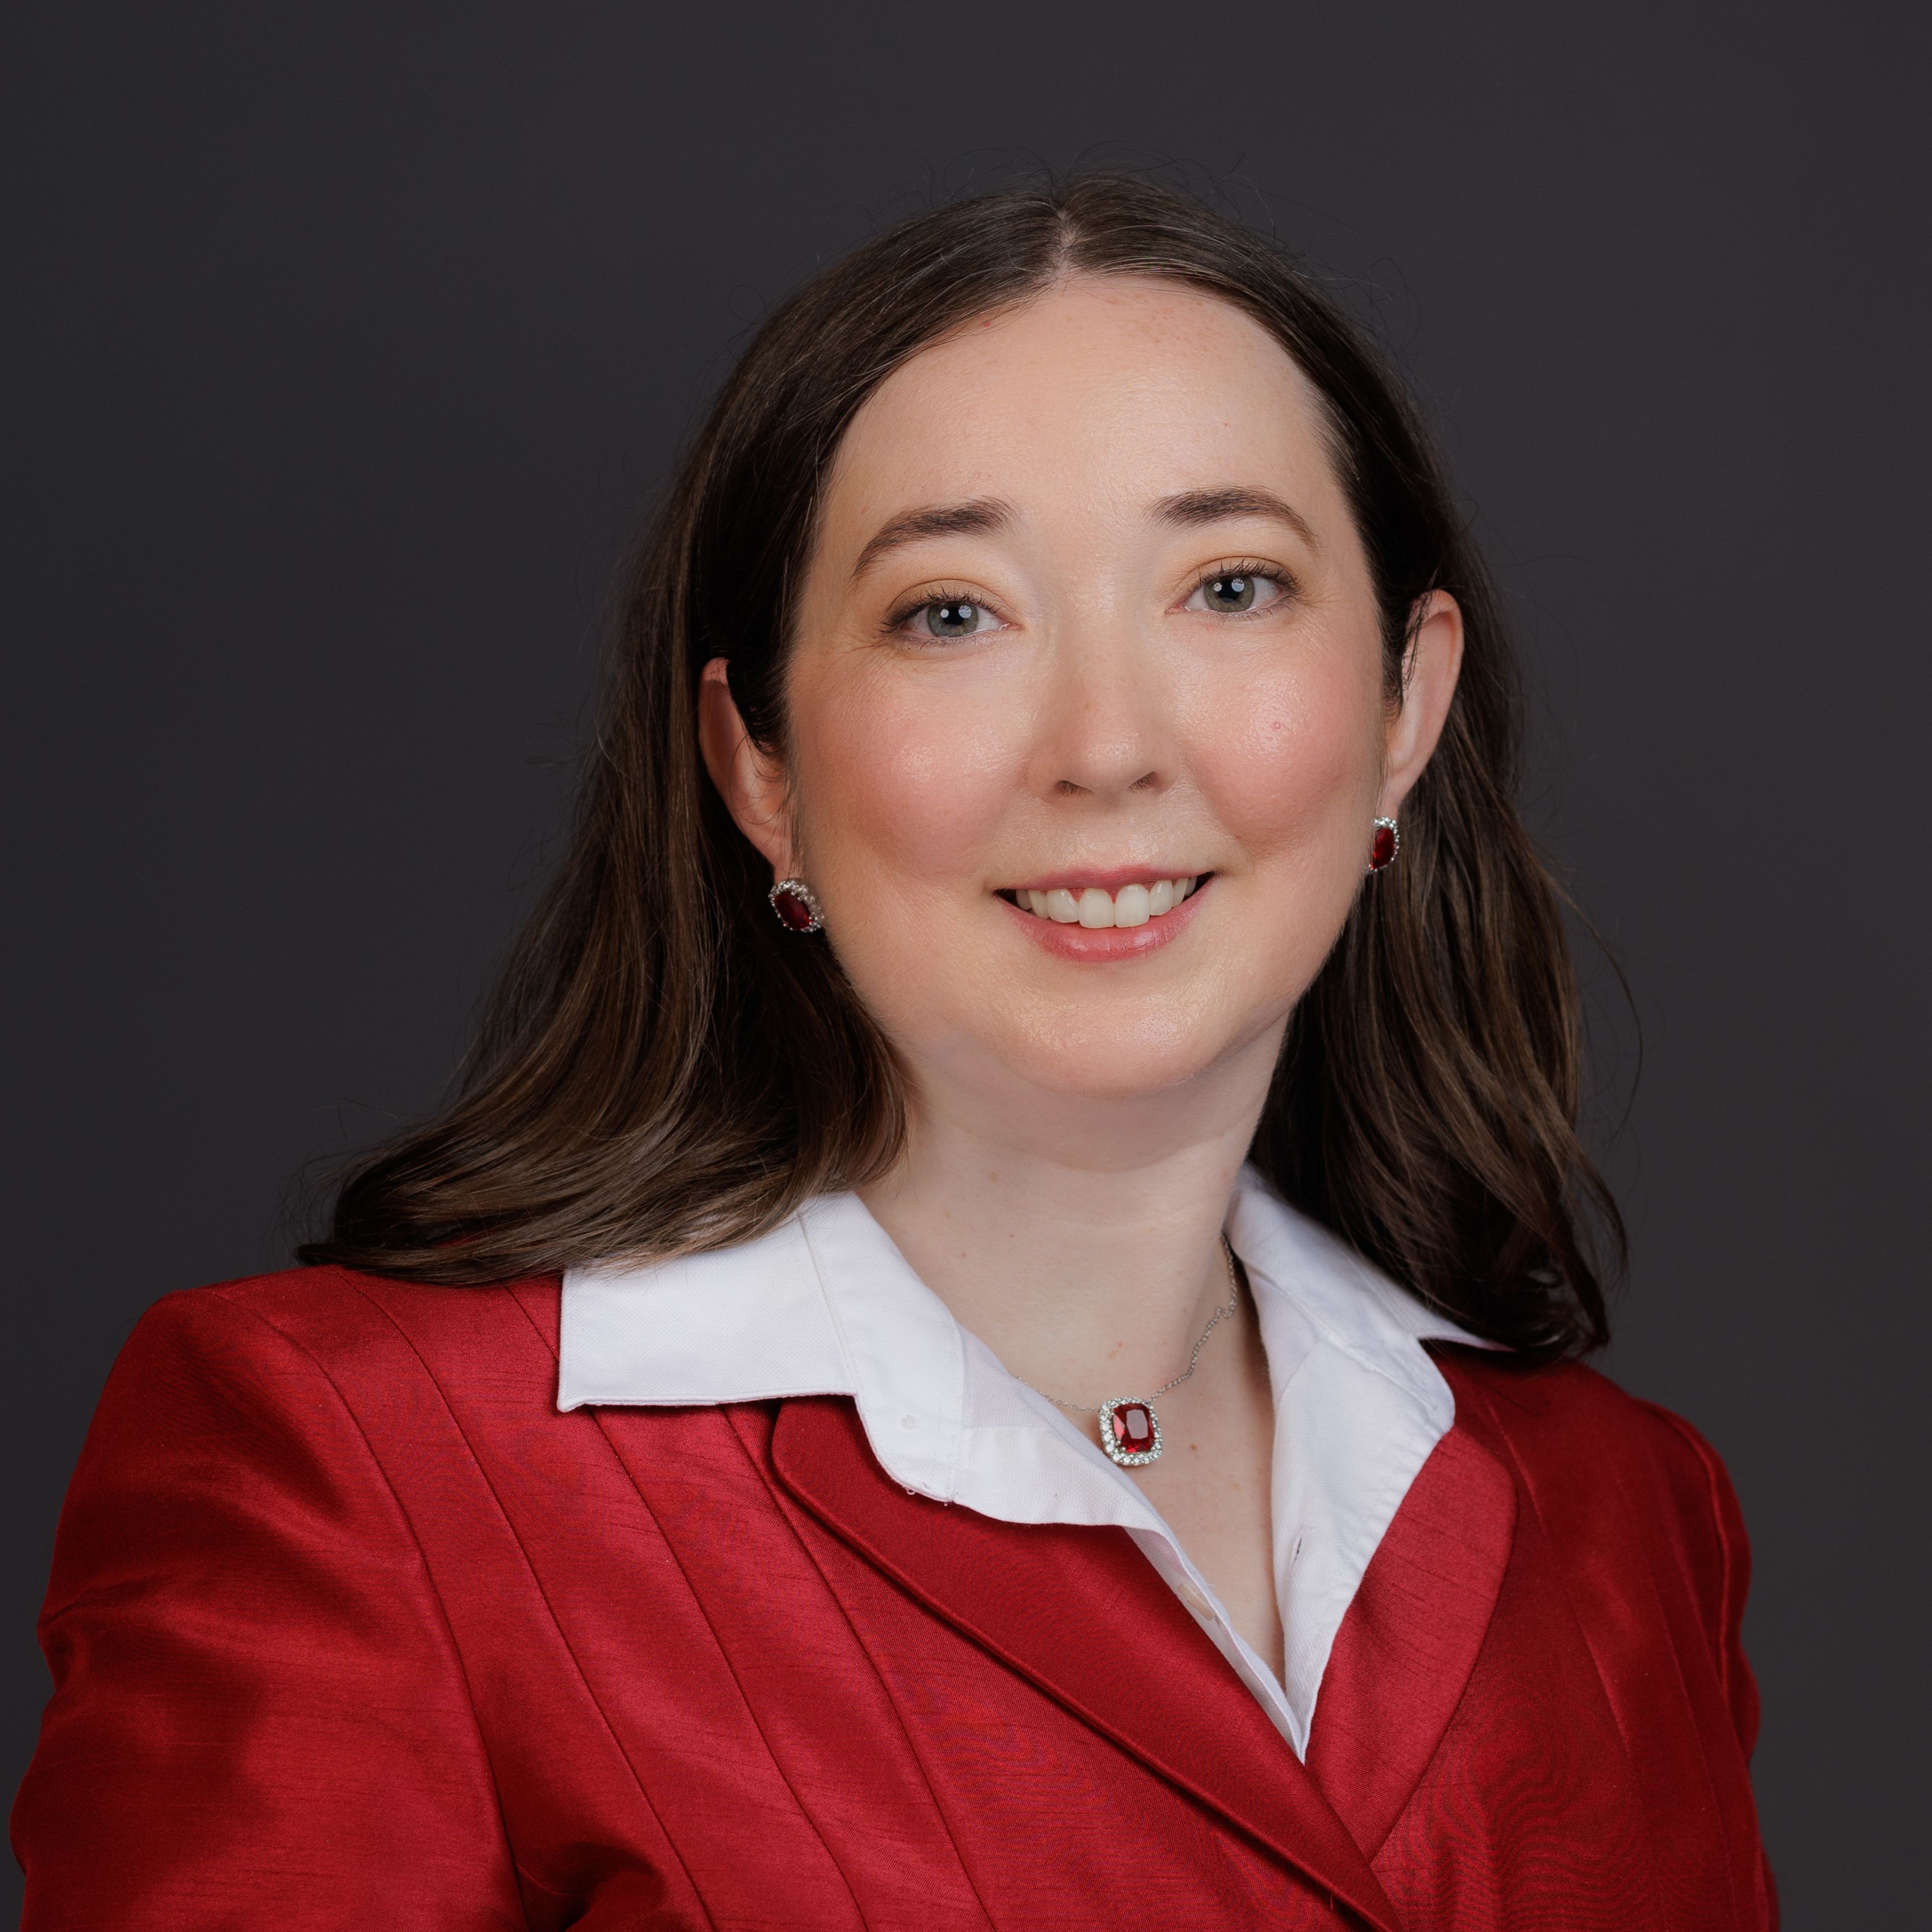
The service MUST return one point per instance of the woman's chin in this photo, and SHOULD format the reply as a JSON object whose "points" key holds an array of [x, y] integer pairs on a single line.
{"points": [[1118, 1069]]}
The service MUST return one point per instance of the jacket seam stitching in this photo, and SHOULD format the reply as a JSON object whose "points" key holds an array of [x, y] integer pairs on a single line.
{"points": [[737, 1684], [570, 1649], [422, 1555], [1726, 1557], [1717, 1658], [899, 1717], [832, 1857], [1631, 1756]]}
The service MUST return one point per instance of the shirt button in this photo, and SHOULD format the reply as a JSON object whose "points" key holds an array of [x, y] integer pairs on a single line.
{"points": [[1195, 1601], [908, 1422]]}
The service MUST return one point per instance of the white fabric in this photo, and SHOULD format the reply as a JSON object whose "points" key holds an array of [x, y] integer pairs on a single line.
{"points": [[826, 1305]]}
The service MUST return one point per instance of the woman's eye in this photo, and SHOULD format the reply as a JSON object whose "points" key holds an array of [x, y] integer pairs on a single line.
{"points": [[952, 617], [1233, 592]]}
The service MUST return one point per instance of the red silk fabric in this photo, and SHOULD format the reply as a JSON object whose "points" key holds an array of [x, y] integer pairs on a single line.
{"points": [[350, 1628]]}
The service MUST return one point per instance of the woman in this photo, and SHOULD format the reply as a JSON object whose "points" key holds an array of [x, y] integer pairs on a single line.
{"points": [[991, 1341]]}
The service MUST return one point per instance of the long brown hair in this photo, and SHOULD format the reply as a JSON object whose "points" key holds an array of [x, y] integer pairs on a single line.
{"points": [[664, 1069]]}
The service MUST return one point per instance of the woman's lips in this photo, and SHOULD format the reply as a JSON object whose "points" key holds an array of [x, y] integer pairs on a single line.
{"points": [[1069, 940]]}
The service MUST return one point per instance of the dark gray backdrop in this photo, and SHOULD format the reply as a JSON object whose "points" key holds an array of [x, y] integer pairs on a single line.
{"points": [[342, 342]]}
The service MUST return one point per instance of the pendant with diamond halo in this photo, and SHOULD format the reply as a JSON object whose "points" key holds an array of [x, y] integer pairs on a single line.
{"points": [[1130, 1433]]}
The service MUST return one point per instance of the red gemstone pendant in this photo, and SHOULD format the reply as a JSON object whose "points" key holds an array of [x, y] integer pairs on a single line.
{"points": [[1130, 1433], [1383, 846]]}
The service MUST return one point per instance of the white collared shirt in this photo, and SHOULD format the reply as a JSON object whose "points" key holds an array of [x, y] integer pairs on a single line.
{"points": [[826, 1305]]}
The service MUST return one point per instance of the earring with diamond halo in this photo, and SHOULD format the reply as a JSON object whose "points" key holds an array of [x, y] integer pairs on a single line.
{"points": [[1384, 845], [797, 907]]}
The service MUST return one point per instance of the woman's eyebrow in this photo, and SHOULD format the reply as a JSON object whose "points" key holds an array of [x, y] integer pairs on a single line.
{"points": [[972, 518], [1233, 500]]}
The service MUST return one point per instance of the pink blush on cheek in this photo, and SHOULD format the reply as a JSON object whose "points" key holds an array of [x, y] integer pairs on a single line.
{"points": [[911, 794]]}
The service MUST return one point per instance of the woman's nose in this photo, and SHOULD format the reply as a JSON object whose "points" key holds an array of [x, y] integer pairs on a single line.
{"points": [[1107, 726]]}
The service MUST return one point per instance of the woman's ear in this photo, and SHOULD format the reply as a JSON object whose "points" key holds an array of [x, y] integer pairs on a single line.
{"points": [[1429, 669], [751, 785]]}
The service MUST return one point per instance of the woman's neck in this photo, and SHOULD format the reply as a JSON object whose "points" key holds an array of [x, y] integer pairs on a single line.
{"points": [[1078, 1237]]}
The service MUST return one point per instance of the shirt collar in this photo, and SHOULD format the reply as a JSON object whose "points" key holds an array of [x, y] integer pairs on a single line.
{"points": [[825, 1304]]}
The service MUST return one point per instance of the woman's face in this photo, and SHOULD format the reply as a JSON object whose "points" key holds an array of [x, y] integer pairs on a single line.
{"points": [[1087, 621]]}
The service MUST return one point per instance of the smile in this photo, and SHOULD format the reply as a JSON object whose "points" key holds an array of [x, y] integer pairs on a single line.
{"points": [[1096, 908]]}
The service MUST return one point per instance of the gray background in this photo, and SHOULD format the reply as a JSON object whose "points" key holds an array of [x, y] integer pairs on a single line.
{"points": [[342, 343]]}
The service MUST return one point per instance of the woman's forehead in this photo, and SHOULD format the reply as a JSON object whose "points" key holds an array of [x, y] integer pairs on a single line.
{"points": [[1126, 386]]}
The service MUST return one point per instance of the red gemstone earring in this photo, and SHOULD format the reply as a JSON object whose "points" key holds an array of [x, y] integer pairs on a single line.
{"points": [[797, 907], [1385, 845]]}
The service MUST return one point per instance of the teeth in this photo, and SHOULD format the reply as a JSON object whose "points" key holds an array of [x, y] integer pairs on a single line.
{"points": [[1132, 905]]}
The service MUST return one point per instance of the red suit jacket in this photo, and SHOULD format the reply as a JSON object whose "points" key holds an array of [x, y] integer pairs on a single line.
{"points": [[350, 1628]]}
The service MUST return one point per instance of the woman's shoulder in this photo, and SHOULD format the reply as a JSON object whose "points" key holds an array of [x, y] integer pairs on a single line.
{"points": [[313, 1394], [317, 1356], [1605, 1470], [1558, 1411], [344, 1321]]}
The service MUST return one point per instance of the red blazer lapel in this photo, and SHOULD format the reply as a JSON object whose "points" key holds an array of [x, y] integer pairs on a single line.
{"points": [[1410, 1639], [1076, 1611]]}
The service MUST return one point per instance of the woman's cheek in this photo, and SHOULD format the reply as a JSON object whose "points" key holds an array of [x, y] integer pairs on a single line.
{"points": [[1300, 768], [914, 788]]}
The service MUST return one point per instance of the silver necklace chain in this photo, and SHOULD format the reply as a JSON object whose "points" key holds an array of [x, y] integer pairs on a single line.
{"points": [[1214, 1321]]}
